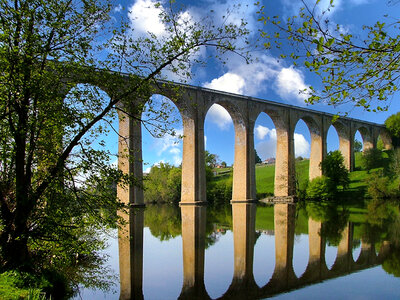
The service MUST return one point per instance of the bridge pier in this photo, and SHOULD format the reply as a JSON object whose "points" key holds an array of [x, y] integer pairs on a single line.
{"points": [[244, 178], [317, 151], [130, 247], [284, 165], [193, 162], [130, 159], [284, 224], [193, 247]]}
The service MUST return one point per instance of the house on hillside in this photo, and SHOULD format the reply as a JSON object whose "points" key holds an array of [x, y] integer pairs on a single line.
{"points": [[269, 161]]}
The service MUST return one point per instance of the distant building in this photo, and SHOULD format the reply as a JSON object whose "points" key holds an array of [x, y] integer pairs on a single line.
{"points": [[269, 161]]}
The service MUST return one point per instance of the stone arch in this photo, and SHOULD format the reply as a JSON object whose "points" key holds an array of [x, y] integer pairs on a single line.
{"points": [[318, 143], [284, 183], [265, 134], [366, 135], [384, 135], [162, 124], [243, 188], [346, 141]]}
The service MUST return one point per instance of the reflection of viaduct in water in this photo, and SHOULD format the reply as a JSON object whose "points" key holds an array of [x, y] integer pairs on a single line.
{"points": [[243, 285], [193, 104]]}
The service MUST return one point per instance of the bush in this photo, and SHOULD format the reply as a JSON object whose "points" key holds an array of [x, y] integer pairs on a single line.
{"points": [[371, 159], [320, 188], [333, 167], [380, 186], [163, 184]]}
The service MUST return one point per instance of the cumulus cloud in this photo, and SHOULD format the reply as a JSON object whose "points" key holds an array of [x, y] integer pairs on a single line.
{"points": [[144, 16], [244, 78], [229, 82], [267, 147], [262, 131], [301, 146], [290, 84], [219, 116], [254, 78]]}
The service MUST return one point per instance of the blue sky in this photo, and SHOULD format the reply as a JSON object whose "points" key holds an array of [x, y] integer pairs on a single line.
{"points": [[267, 78]]}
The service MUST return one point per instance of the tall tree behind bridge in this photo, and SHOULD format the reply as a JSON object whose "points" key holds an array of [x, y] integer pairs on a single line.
{"points": [[51, 175]]}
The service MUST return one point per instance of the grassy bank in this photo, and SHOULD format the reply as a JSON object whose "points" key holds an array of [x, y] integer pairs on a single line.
{"points": [[265, 175]]}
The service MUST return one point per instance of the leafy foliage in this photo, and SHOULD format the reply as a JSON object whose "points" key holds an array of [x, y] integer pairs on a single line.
{"points": [[379, 186], [320, 188], [357, 146], [371, 158], [333, 167], [163, 184], [362, 69], [257, 158], [57, 187], [392, 124]]}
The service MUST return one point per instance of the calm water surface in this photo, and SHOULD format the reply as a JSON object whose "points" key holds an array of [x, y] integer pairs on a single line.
{"points": [[249, 251]]}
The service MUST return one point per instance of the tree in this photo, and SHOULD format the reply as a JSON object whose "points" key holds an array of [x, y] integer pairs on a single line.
{"points": [[333, 167], [211, 159], [163, 184], [54, 180], [257, 158], [392, 124], [363, 69], [372, 158], [357, 146]]}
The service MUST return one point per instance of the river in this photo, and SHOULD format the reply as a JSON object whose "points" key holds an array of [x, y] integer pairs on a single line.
{"points": [[307, 250]]}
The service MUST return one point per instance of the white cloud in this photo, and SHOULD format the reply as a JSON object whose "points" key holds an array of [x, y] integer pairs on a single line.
{"points": [[267, 147], [219, 116], [118, 8], [229, 82], [147, 170], [205, 142], [244, 78], [290, 84], [254, 78], [144, 17], [301, 146], [169, 143], [175, 150], [262, 131]]}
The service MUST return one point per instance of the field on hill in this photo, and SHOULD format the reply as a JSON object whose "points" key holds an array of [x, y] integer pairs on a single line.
{"points": [[265, 177]]}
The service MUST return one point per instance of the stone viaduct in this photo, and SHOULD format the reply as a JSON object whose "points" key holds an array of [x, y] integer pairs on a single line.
{"points": [[193, 104], [243, 284]]}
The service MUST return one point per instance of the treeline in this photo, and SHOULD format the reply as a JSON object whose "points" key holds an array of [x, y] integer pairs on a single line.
{"points": [[163, 185]]}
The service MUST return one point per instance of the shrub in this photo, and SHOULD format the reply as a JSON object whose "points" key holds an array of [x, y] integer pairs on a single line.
{"points": [[320, 188], [380, 186], [333, 167], [371, 159]]}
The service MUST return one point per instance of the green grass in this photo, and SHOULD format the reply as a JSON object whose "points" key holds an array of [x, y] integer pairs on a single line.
{"points": [[10, 288], [265, 176]]}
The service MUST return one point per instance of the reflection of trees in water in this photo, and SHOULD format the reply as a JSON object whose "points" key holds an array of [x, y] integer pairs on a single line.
{"points": [[334, 217], [391, 263], [381, 216], [383, 223], [164, 221]]}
